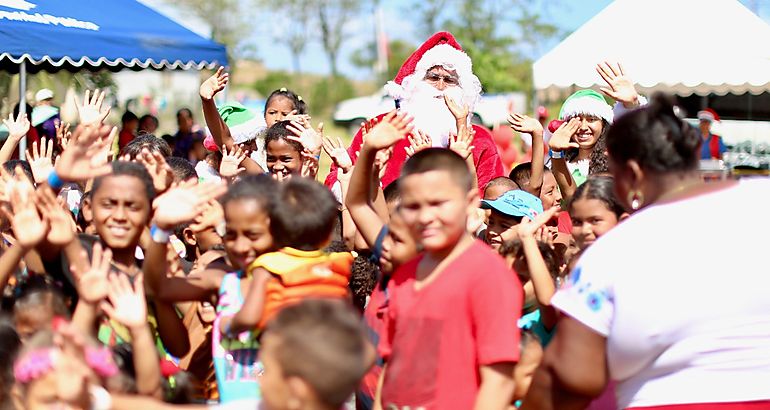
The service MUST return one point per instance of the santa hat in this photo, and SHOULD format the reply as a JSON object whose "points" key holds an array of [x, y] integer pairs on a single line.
{"points": [[587, 102], [708, 115], [244, 124], [441, 49]]}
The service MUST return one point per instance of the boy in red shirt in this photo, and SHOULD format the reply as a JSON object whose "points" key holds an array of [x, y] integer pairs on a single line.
{"points": [[450, 339]]}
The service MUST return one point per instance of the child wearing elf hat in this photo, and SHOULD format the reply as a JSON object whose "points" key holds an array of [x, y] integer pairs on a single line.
{"points": [[583, 120], [712, 147]]}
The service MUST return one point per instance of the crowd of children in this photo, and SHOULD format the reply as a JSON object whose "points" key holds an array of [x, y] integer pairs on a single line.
{"points": [[137, 279]]}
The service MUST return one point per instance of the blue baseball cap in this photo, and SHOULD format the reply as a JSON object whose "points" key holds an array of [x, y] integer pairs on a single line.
{"points": [[516, 203]]}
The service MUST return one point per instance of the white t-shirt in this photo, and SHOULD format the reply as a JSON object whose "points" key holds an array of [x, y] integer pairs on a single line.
{"points": [[682, 293]]}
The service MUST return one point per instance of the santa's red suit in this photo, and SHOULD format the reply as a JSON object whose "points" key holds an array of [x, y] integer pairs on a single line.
{"points": [[485, 156]]}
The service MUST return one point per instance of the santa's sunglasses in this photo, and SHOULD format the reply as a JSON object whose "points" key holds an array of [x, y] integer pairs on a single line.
{"points": [[448, 79]]}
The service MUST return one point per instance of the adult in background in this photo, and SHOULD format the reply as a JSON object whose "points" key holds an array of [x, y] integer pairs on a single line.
{"points": [[643, 307], [439, 67], [148, 124], [713, 147], [45, 116], [187, 134]]}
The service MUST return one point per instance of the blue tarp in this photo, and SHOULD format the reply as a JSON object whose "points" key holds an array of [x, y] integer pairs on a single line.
{"points": [[52, 35]]}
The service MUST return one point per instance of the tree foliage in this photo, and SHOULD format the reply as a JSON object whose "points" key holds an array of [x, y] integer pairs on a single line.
{"points": [[398, 52]]}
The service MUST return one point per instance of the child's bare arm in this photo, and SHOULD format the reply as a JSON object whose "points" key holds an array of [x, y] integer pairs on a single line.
{"points": [[197, 287], [253, 306], [127, 306], [388, 132], [542, 282], [496, 390], [171, 329], [560, 142], [528, 125], [219, 130]]}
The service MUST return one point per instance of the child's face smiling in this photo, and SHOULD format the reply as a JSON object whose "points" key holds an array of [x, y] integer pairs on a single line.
{"points": [[247, 232], [501, 228], [283, 158], [590, 220], [436, 209], [121, 210]]}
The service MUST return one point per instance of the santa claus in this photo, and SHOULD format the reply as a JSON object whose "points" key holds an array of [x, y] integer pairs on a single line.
{"points": [[438, 68]]}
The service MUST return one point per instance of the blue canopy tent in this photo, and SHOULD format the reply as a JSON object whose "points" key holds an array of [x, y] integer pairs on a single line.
{"points": [[73, 35]]}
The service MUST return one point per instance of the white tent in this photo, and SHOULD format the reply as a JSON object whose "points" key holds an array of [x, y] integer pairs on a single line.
{"points": [[677, 46]]}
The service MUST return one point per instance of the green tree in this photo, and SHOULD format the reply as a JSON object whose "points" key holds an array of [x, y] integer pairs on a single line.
{"points": [[399, 51], [332, 16], [295, 36]]}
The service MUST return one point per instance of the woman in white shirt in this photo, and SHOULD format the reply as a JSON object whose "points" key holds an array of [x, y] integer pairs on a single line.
{"points": [[672, 304]]}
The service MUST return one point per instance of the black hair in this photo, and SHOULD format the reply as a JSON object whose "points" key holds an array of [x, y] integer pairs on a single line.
{"points": [[655, 138], [128, 116], [439, 159], [41, 292], [391, 193], [297, 101], [601, 188], [520, 174], [363, 278], [505, 182], [18, 106], [145, 117], [515, 249], [149, 141], [323, 343], [10, 343], [598, 163], [11, 165], [181, 391], [260, 188], [131, 169], [304, 214], [182, 169], [123, 355], [186, 111], [279, 131]]}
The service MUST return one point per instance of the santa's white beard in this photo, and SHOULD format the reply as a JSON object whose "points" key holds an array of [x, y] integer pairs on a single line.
{"points": [[431, 115]]}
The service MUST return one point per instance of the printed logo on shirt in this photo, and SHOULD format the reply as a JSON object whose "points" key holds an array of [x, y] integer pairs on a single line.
{"points": [[322, 271]]}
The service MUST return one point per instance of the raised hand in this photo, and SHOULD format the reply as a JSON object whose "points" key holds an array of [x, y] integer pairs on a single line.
{"points": [[93, 285], [127, 304], [158, 168], [17, 128], [311, 139], [460, 112], [84, 158], [561, 140], [91, 111], [461, 143], [309, 165], [393, 127], [214, 84], [335, 149], [619, 85], [40, 160], [228, 167], [29, 227], [381, 159], [62, 226], [303, 119], [528, 228], [418, 141], [525, 124], [63, 134], [183, 203], [211, 215]]}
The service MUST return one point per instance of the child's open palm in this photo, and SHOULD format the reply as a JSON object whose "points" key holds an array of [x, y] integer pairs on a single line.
{"points": [[63, 228], [85, 156], [228, 168], [63, 133], [93, 285], [40, 160], [214, 84], [335, 149], [183, 203], [311, 139], [158, 168], [393, 127], [528, 228], [91, 111], [418, 141], [17, 128], [561, 140], [525, 124], [127, 304], [460, 112], [461, 143], [619, 85], [29, 227]]}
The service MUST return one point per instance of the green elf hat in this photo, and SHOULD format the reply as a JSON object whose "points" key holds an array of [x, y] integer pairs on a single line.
{"points": [[244, 124], [586, 102]]}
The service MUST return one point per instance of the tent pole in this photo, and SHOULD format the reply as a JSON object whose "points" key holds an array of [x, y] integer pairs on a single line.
{"points": [[23, 105]]}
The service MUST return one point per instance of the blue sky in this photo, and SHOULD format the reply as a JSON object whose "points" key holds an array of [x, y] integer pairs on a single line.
{"points": [[568, 15]]}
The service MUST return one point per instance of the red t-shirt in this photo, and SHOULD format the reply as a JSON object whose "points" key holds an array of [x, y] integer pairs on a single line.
{"points": [[436, 338]]}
